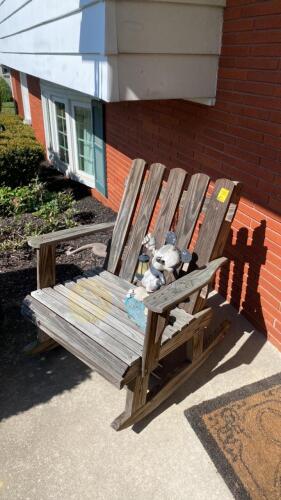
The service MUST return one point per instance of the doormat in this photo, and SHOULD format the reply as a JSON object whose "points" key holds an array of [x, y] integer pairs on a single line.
{"points": [[241, 431]]}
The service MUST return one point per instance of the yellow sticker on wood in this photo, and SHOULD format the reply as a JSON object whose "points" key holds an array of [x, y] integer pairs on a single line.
{"points": [[223, 194]]}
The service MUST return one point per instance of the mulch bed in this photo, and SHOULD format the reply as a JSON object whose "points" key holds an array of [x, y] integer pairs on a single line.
{"points": [[241, 431], [18, 268]]}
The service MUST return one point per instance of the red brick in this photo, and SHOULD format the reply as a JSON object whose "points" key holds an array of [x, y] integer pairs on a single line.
{"points": [[265, 50], [36, 108], [264, 76], [233, 73], [261, 8], [236, 25], [268, 22], [15, 77], [235, 50], [256, 63], [264, 89], [252, 37]]}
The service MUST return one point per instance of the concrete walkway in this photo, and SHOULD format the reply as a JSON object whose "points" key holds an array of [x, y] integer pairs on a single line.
{"points": [[57, 443]]}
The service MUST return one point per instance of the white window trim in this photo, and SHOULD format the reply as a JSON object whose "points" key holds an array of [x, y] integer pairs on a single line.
{"points": [[66, 168], [83, 175], [50, 93], [25, 98]]}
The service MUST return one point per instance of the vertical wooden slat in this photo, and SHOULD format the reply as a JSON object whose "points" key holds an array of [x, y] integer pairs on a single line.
{"points": [[173, 191], [194, 198], [214, 230], [152, 342], [46, 266], [125, 214], [144, 215]]}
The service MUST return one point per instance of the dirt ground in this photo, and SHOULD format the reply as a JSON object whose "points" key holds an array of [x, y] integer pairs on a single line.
{"points": [[18, 270]]}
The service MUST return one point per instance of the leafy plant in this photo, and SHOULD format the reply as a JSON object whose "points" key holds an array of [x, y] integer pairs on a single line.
{"points": [[50, 211], [62, 204], [22, 199]]}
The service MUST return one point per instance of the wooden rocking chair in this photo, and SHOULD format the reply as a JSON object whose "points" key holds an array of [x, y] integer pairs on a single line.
{"points": [[87, 316]]}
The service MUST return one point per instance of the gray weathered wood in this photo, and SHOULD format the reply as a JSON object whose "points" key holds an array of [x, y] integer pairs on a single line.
{"points": [[87, 315], [193, 201], [130, 336], [90, 296], [85, 322], [214, 230], [180, 376], [135, 399], [125, 214], [153, 336], [143, 218], [112, 278], [169, 204], [46, 266], [103, 292], [200, 321], [74, 340], [69, 234], [170, 295]]}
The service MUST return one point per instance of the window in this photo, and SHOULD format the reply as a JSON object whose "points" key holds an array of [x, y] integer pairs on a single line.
{"points": [[62, 132], [84, 138], [74, 135]]}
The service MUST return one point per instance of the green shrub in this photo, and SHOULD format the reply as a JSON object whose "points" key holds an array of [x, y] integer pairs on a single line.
{"points": [[20, 153], [50, 211], [5, 91], [22, 199], [34, 198], [8, 108]]}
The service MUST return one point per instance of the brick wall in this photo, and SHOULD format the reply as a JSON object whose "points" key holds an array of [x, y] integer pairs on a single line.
{"points": [[15, 77], [240, 138], [33, 84], [36, 111]]}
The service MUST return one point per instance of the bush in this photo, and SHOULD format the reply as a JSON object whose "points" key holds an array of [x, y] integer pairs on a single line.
{"points": [[20, 153], [34, 198], [22, 199], [8, 108], [5, 91]]}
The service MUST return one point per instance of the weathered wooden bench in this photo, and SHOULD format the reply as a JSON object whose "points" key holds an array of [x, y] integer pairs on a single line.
{"points": [[87, 316]]}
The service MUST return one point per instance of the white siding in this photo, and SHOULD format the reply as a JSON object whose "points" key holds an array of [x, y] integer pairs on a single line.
{"points": [[116, 49]]}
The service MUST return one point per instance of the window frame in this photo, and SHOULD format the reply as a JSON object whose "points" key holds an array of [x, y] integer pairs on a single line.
{"points": [[51, 92], [81, 174], [65, 167]]}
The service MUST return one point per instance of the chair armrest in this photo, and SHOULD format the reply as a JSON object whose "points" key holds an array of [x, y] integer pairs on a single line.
{"points": [[170, 295], [68, 234]]}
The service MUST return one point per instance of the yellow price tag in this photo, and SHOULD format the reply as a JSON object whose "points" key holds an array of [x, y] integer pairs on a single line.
{"points": [[223, 194]]}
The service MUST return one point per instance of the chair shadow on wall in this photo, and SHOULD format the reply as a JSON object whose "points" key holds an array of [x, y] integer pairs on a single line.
{"points": [[244, 351]]}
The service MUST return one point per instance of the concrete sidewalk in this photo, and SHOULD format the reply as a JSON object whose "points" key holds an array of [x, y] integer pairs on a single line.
{"points": [[57, 443]]}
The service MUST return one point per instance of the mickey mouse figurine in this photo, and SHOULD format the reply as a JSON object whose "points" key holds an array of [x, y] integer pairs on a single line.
{"points": [[164, 260]]}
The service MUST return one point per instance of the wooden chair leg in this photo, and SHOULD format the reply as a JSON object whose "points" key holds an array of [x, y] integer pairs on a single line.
{"points": [[135, 399], [194, 347], [139, 409], [46, 276]]}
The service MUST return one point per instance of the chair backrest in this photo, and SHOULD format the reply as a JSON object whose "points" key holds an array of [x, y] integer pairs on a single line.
{"points": [[139, 204]]}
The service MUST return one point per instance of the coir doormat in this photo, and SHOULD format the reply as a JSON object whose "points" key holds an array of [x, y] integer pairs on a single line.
{"points": [[241, 432]]}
